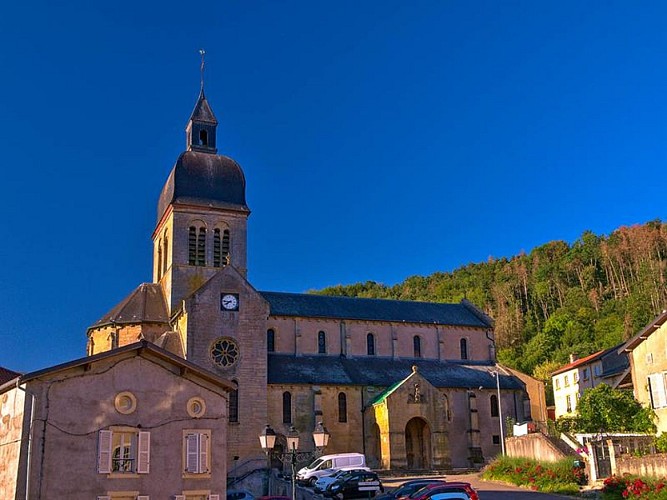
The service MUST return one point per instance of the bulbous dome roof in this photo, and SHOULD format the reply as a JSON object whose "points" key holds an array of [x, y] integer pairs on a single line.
{"points": [[204, 179]]}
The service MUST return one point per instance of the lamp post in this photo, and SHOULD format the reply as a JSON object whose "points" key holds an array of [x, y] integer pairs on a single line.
{"points": [[267, 440], [500, 411]]}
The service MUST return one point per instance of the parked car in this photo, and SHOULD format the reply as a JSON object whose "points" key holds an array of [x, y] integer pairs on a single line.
{"points": [[445, 491], [323, 482], [408, 488], [239, 495], [355, 485]]}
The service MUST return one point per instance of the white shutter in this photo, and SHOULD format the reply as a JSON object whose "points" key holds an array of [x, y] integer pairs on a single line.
{"points": [[143, 497], [203, 453], [657, 387], [104, 453], [179, 497], [192, 453], [144, 453], [214, 497]]}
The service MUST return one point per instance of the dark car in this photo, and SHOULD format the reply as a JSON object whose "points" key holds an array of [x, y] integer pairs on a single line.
{"points": [[408, 488], [454, 490], [361, 484]]}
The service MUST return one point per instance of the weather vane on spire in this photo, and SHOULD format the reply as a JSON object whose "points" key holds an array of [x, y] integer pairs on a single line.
{"points": [[202, 52]]}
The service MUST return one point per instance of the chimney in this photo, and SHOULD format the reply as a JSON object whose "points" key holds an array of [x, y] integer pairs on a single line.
{"points": [[573, 358]]}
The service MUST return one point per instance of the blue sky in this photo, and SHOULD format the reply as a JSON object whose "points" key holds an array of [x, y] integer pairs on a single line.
{"points": [[380, 139]]}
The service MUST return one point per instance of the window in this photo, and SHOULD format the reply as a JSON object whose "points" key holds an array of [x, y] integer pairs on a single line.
{"points": [[587, 374], [165, 252], [370, 344], [448, 413], [567, 381], [496, 439], [225, 246], [575, 377], [464, 348], [287, 408], [203, 138], [597, 369], [217, 261], [417, 346], [656, 384], [494, 405], [123, 450], [192, 246], [557, 383], [568, 403], [234, 403], [220, 247], [196, 451], [201, 247], [271, 340], [321, 343], [159, 261], [342, 407]]}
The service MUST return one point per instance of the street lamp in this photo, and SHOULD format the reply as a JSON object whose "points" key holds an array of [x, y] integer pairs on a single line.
{"points": [[500, 411], [267, 440]]}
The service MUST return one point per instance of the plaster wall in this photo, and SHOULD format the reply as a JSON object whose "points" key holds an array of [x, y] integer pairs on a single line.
{"points": [[13, 437]]}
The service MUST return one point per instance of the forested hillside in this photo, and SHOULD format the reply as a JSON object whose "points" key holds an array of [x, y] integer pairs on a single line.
{"points": [[556, 300]]}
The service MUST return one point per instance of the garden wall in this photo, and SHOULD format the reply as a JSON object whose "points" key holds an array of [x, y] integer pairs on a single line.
{"points": [[647, 465], [536, 446]]}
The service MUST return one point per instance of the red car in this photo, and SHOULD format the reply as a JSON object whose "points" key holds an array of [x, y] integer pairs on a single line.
{"points": [[442, 491]]}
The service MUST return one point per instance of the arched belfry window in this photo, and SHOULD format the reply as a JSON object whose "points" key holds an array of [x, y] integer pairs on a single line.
{"points": [[287, 408], [370, 344], [197, 246], [342, 407], [464, 349], [203, 138], [494, 405], [321, 342], [270, 340], [220, 247], [234, 403], [417, 346], [159, 261], [225, 246], [165, 251]]}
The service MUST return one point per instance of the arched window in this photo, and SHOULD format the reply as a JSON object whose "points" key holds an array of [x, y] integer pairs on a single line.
{"points": [[417, 346], [217, 260], [370, 344], [494, 405], [448, 413], [201, 247], [321, 342], [225, 246], [234, 403], [159, 261], [203, 138], [270, 340], [342, 407], [165, 246], [192, 246], [287, 408], [464, 349]]}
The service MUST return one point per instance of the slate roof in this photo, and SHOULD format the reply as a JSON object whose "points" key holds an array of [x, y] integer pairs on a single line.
{"points": [[204, 179], [202, 111], [322, 306], [146, 304], [7, 375], [382, 372]]}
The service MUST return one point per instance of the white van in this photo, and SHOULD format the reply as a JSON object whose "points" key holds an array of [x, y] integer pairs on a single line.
{"points": [[328, 464]]}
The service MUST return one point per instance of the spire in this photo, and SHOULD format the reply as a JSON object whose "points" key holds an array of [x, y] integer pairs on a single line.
{"points": [[201, 128]]}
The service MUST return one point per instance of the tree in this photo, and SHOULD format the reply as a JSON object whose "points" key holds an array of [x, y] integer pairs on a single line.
{"points": [[612, 410]]}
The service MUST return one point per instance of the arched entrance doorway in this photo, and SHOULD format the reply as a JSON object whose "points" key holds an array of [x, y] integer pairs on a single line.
{"points": [[418, 444]]}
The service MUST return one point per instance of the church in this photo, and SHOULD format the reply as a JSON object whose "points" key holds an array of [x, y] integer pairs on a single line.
{"points": [[412, 385]]}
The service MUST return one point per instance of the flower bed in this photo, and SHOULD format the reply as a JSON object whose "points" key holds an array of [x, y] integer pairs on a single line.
{"points": [[633, 487], [552, 477]]}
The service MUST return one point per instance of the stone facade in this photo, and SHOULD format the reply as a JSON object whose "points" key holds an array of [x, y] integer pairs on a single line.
{"points": [[113, 424]]}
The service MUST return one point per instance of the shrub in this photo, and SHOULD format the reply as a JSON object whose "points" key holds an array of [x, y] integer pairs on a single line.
{"points": [[552, 477], [633, 487]]}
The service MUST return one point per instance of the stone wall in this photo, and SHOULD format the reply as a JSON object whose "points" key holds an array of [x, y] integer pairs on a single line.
{"points": [[647, 465], [536, 446]]}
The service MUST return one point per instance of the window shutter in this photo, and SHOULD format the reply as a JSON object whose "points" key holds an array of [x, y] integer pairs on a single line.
{"points": [[144, 453], [214, 497], [179, 497], [192, 453], [106, 498], [104, 453], [143, 497], [203, 453], [657, 387]]}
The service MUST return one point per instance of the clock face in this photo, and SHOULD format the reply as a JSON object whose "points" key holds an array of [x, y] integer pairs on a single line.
{"points": [[229, 302]]}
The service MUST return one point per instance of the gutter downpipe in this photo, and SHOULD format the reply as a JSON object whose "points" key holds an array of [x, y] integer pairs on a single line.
{"points": [[32, 419]]}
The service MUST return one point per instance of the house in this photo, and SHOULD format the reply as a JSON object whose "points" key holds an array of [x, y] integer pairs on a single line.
{"points": [[569, 382], [648, 359], [133, 423]]}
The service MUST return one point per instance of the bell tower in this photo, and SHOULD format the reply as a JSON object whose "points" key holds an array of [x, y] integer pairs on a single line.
{"points": [[202, 213]]}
